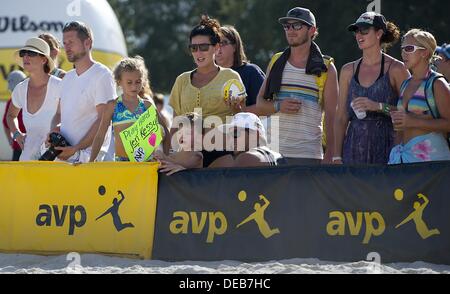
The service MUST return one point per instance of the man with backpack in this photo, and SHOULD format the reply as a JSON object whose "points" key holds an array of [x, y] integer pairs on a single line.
{"points": [[301, 87]]}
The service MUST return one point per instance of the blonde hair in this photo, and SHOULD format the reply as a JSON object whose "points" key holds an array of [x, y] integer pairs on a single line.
{"points": [[424, 39], [130, 65]]}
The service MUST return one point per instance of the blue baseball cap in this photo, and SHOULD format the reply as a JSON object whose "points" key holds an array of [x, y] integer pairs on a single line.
{"points": [[444, 50]]}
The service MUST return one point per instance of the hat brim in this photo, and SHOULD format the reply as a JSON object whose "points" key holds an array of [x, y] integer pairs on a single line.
{"points": [[356, 26], [284, 20], [441, 50], [19, 60], [227, 128]]}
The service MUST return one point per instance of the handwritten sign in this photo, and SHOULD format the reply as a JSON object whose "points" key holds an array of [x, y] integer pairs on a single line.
{"points": [[142, 138]]}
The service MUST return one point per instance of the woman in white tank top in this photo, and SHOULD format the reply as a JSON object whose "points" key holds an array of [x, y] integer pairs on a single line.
{"points": [[38, 97]]}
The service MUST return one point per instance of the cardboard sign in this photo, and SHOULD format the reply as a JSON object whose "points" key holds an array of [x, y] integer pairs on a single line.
{"points": [[142, 138]]}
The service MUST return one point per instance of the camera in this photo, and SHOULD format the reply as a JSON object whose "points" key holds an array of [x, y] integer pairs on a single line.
{"points": [[56, 140]]}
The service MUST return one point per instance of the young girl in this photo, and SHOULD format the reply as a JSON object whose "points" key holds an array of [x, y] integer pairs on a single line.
{"points": [[131, 75], [423, 116]]}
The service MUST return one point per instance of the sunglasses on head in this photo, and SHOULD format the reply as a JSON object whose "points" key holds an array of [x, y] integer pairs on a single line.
{"points": [[201, 47], [296, 26], [23, 53], [411, 48]]}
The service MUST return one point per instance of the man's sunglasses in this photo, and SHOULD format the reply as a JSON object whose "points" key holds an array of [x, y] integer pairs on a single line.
{"points": [[201, 47], [22, 53], [296, 26], [411, 48]]}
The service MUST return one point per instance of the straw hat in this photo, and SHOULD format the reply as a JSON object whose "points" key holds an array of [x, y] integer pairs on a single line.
{"points": [[36, 45]]}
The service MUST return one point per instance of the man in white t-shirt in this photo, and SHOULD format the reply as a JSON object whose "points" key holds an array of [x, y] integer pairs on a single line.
{"points": [[85, 91]]}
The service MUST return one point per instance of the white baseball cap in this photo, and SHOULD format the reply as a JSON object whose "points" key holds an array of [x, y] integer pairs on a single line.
{"points": [[245, 120]]}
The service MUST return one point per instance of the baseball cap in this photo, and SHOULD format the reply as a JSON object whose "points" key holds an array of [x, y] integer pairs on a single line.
{"points": [[299, 14], [369, 19], [444, 50], [245, 120]]}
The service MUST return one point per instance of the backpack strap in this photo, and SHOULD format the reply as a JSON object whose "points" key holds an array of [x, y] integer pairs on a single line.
{"points": [[404, 84], [429, 93]]}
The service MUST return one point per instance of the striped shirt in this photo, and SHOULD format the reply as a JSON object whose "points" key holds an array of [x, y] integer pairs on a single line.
{"points": [[300, 134]]}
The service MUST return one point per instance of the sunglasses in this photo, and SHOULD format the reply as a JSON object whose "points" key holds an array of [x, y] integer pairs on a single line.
{"points": [[411, 48], [201, 47], [362, 31], [225, 43], [23, 53], [296, 26]]}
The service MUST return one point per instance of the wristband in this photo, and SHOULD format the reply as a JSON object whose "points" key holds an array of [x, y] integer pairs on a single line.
{"points": [[380, 106], [336, 158], [386, 109], [15, 135], [277, 106]]}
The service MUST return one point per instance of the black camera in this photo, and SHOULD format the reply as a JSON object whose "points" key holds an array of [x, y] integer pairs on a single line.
{"points": [[56, 140]]}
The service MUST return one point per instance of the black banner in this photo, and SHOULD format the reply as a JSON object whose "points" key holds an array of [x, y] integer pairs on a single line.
{"points": [[333, 213]]}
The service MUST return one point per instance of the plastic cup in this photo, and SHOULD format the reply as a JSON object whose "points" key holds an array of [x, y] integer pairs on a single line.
{"points": [[359, 114]]}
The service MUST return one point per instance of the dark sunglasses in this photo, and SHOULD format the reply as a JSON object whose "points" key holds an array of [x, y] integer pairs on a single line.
{"points": [[23, 53], [362, 31], [296, 26], [201, 47]]}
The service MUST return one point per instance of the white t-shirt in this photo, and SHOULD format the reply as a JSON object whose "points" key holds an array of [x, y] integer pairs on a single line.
{"points": [[79, 97], [37, 124]]}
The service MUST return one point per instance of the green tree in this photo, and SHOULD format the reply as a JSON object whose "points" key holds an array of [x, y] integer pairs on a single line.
{"points": [[159, 30]]}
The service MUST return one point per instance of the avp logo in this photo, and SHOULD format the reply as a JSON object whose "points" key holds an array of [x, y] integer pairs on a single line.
{"points": [[77, 216], [417, 216], [258, 216], [375, 224], [218, 223], [114, 211]]}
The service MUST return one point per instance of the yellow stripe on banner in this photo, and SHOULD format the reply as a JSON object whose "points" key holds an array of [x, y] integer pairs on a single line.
{"points": [[50, 207]]}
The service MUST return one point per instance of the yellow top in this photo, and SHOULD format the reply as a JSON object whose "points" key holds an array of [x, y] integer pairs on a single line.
{"points": [[185, 97]]}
